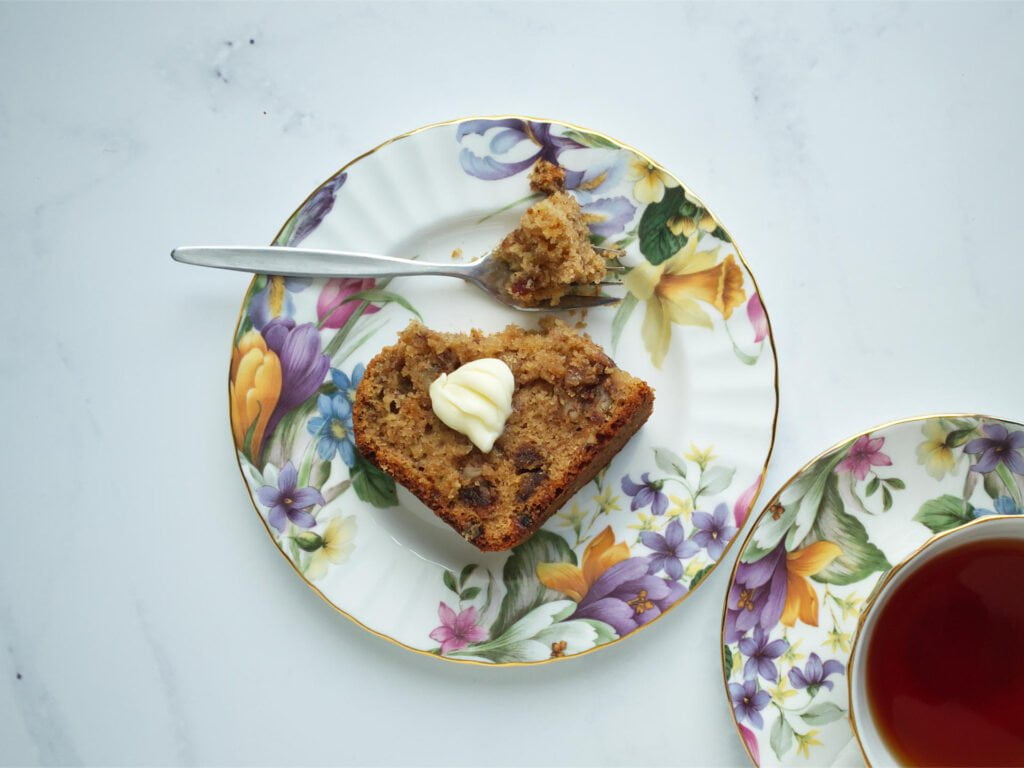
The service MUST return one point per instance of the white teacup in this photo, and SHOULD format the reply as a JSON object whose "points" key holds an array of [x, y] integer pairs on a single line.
{"points": [[865, 730]]}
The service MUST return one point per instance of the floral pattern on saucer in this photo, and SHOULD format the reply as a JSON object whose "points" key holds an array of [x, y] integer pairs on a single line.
{"points": [[629, 546], [817, 551]]}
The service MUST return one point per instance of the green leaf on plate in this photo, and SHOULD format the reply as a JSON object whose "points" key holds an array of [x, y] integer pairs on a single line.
{"points": [[668, 461], [727, 660], [895, 483], [859, 557], [377, 296], [525, 591], [872, 486], [822, 714], [469, 594], [626, 307], [657, 242], [589, 139], [247, 442], [781, 737], [373, 486], [944, 513], [722, 235], [293, 548], [243, 327], [308, 541], [466, 573], [886, 500], [958, 437], [1008, 482], [716, 479], [992, 484], [321, 474], [449, 580], [699, 576]]}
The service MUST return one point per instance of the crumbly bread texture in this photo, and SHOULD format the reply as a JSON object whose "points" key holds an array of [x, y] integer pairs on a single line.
{"points": [[550, 252], [573, 409], [547, 178]]}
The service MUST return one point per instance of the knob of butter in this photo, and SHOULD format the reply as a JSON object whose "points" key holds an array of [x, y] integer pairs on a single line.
{"points": [[475, 400]]}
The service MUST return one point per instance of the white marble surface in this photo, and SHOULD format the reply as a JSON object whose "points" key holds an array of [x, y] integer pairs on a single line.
{"points": [[866, 157]]}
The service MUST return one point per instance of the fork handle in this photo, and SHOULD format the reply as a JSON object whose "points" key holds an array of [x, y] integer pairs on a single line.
{"points": [[308, 262]]}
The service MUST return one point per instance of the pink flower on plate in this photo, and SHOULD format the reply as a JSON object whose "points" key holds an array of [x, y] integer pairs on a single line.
{"points": [[332, 308], [741, 508], [758, 319], [751, 741], [864, 454], [458, 631]]}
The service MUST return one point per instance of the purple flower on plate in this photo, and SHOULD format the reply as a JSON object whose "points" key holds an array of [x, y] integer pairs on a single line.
{"points": [[312, 212], [546, 146], [748, 701], [457, 631], [627, 596], [608, 216], [288, 503], [761, 654], [814, 674], [646, 492], [757, 595], [275, 299], [864, 454], [303, 367], [713, 531], [999, 445], [669, 550]]}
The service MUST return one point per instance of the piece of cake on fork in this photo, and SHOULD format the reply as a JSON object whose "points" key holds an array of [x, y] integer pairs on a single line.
{"points": [[550, 254]]}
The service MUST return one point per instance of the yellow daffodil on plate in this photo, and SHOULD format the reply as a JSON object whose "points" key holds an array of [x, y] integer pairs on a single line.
{"points": [[675, 290]]}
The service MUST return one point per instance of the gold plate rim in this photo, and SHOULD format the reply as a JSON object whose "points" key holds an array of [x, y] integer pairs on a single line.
{"points": [[775, 386]]}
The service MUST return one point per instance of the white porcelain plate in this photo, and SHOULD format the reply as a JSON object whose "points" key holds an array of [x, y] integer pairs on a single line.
{"points": [[629, 546]]}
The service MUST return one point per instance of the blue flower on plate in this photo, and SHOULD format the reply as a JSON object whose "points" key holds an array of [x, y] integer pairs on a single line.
{"points": [[333, 428], [346, 384]]}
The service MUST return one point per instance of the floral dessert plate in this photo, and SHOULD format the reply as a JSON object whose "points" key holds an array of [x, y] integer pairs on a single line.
{"points": [[629, 546], [818, 550]]}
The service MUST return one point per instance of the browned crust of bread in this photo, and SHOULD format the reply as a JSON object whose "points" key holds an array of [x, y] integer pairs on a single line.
{"points": [[506, 531]]}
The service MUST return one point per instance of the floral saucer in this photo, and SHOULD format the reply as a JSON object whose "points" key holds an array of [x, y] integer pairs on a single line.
{"points": [[816, 553], [628, 547]]}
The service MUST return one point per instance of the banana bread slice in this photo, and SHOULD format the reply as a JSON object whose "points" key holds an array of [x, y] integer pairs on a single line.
{"points": [[573, 409]]}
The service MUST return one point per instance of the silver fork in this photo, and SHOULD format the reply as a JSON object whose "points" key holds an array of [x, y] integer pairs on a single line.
{"points": [[487, 272]]}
